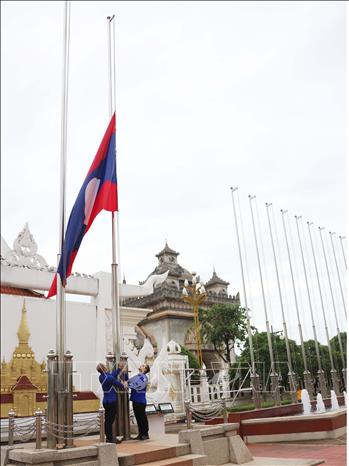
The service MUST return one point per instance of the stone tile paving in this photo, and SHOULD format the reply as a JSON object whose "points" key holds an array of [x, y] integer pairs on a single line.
{"points": [[267, 461], [333, 454]]}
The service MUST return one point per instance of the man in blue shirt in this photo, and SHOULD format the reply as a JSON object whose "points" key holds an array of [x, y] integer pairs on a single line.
{"points": [[138, 386], [109, 385]]}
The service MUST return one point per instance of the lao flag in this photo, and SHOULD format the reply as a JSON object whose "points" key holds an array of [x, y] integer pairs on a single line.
{"points": [[98, 192]]}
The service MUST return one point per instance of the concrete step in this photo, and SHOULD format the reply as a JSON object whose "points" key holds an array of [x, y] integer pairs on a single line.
{"points": [[186, 460], [145, 454]]}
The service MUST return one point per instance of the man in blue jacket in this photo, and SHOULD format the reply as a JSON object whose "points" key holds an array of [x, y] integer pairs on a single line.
{"points": [[109, 385], [138, 386]]}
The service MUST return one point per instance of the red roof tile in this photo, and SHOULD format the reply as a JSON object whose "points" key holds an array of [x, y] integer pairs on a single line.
{"points": [[20, 292], [23, 383]]}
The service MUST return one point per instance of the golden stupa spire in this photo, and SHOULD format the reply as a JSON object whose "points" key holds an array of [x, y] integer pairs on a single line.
{"points": [[23, 329]]}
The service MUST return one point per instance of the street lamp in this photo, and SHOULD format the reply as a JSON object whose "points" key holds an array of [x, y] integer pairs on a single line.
{"points": [[195, 294]]}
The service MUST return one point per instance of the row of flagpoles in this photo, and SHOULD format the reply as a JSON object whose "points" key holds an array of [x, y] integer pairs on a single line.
{"points": [[295, 277]]}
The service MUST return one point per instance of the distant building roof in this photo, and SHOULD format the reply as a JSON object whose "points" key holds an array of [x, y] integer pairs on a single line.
{"points": [[215, 280], [167, 250]]}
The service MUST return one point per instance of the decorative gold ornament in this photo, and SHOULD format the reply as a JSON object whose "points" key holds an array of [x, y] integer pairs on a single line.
{"points": [[195, 294]]}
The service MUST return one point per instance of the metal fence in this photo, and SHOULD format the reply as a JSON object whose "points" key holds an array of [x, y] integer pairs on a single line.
{"points": [[22, 430]]}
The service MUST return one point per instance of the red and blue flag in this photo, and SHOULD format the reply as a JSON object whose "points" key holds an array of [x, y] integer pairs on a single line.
{"points": [[98, 192]]}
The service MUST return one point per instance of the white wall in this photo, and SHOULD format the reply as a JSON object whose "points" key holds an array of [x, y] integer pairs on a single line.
{"points": [[88, 332], [41, 316]]}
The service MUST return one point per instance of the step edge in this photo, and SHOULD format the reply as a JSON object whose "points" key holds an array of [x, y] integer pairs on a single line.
{"points": [[191, 456]]}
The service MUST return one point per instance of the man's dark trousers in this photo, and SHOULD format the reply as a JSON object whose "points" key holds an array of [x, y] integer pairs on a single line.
{"points": [[110, 413], [141, 418]]}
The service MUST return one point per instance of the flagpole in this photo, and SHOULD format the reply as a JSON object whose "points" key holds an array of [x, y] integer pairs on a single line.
{"points": [[306, 374], [122, 423], [60, 301], [61, 416], [334, 375], [338, 274], [321, 374], [116, 330], [254, 375], [332, 298], [341, 238], [273, 376], [291, 374]]}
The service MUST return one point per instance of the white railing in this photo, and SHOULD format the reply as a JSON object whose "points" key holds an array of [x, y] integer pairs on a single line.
{"points": [[195, 393], [215, 391]]}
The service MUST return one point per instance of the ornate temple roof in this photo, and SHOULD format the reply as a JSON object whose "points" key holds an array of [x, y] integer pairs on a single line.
{"points": [[23, 332], [167, 250], [25, 256], [23, 372], [23, 383], [215, 280], [167, 258], [167, 300]]}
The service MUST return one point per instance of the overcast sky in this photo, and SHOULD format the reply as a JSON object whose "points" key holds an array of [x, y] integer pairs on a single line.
{"points": [[209, 95]]}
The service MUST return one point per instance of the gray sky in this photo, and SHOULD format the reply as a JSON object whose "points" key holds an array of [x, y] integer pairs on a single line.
{"points": [[209, 95]]}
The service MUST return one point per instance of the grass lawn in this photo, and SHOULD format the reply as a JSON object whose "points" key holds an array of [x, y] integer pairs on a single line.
{"points": [[250, 406]]}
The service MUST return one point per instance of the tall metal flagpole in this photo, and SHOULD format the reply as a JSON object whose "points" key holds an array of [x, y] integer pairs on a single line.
{"points": [[122, 425], [341, 238], [332, 299], [61, 413], [273, 376], [334, 375], [321, 374], [306, 374], [254, 375], [291, 374], [116, 330], [338, 274]]}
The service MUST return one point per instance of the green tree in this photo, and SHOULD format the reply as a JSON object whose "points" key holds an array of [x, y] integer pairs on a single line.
{"points": [[262, 356], [224, 326], [193, 362], [261, 349], [337, 356]]}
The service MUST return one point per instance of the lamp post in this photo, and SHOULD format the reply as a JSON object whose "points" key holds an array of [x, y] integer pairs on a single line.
{"points": [[195, 294]]}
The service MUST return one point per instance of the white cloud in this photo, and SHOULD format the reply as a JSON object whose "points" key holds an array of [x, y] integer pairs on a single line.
{"points": [[209, 95]]}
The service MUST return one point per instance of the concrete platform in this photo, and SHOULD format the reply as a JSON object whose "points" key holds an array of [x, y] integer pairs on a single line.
{"points": [[329, 425], [163, 451], [333, 452], [279, 462], [166, 451]]}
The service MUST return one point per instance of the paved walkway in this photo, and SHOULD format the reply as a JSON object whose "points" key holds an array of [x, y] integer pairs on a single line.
{"points": [[334, 455], [333, 452], [265, 454]]}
